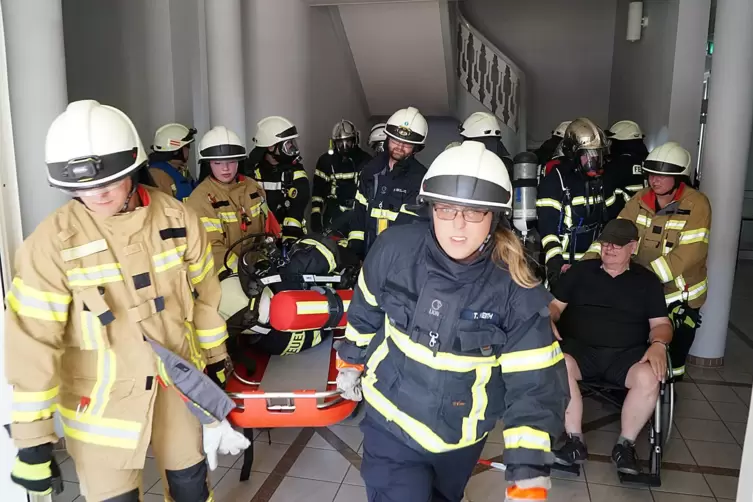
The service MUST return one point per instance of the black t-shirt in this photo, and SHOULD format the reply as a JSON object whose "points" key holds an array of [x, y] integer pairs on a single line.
{"points": [[606, 311]]}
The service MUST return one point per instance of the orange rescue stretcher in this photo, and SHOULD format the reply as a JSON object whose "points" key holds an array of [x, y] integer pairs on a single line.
{"points": [[259, 409]]}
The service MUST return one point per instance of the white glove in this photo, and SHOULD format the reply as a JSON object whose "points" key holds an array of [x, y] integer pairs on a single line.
{"points": [[222, 439], [349, 382]]}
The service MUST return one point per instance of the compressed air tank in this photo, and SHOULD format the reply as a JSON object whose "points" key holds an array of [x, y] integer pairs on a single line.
{"points": [[525, 180]]}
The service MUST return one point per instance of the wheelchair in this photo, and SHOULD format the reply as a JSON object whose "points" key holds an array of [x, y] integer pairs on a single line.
{"points": [[660, 425]]}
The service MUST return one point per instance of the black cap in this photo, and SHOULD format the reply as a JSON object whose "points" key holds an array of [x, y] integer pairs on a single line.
{"points": [[619, 232]]}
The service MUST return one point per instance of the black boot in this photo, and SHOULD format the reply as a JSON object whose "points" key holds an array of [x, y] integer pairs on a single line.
{"points": [[572, 452], [625, 458]]}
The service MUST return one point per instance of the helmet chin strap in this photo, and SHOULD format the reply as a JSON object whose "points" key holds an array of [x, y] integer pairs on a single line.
{"points": [[497, 220], [134, 187]]}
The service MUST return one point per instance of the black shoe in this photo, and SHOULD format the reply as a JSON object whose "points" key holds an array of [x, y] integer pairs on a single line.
{"points": [[625, 458], [572, 452]]}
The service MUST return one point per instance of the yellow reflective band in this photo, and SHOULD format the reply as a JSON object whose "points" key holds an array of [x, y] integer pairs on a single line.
{"points": [[93, 338], [360, 198], [232, 262], [89, 249], [317, 199], [31, 406], [383, 214], [549, 239], [578, 256], [211, 338], [568, 219], [680, 282], [382, 225], [228, 217], [581, 201], [675, 224], [300, 174], [643, 220], [345, 176], [324, 251], [94, 276], [291, 222], [37, 304], [480, 401], [295, 344], [198, 271], [527, 437], [661, 269], [169, 259], [370, 299], [314, 307], [211, 224], [319, 173], [162, 371], [693, 236], [317, 338], [404, 210], [531, 359], [595, 247], [257, 173], [549, 203], [360, 339], [611, 200], [99, 430], [343, 243], [552, 253], [316, 209], [32, 472], [634, 188], [694, 292], [355, 235], [194, 351], [678, 371]]}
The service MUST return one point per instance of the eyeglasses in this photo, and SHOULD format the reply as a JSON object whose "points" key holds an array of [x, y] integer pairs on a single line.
{"points": [[448, 213], [611, 245]]}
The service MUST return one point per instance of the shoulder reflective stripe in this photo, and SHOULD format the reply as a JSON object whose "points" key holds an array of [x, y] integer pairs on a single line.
{"points": [[31, 406], [194, 351], [680, 282], [300, 174], [550, 239], [211, 338], [169, 259], [89, 249], [355, 235], [198, 271], [370, 299], [269, 185], [328, 255], [532, 359], [228, 217], [549, 203], [319, 173], [102, 431], [595, 247], [643, 220], [527, 437], [317, 199], [360, 198], [634, 188], [693, 236], [404, 210], [30, 302], [480, 400], [291, 222], [32, 472], [694, 292], [360, 339], [212, 224], [661, 269], [552, 253], [94, 276], [675, 224], [383, 214]]}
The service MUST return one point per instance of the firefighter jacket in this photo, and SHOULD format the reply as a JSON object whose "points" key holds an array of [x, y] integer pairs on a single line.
{"points": [[288, 193], [673, 242], [383, 198], [89, 295], [172, 181], [229, 212], [451, 348], [572, 210], [626, 164], [335, 186]]}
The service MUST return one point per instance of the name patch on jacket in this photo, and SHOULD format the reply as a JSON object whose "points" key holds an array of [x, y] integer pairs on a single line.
{"points": [[477, 315]]}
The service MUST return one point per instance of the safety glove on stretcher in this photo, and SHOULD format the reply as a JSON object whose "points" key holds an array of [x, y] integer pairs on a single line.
{"points": [[349, 379]]}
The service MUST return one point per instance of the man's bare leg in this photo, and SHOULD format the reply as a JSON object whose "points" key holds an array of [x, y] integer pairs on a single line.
{"points": [[574, 412], [640, 401]]}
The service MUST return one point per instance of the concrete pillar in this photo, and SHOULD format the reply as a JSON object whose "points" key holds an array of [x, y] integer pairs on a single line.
{"points": [[725, 156], [38, 94], [225, 65]]}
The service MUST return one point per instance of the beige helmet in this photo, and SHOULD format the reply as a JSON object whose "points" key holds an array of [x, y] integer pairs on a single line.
{"points": [[669, 159], [586, 145], [625, 130]]}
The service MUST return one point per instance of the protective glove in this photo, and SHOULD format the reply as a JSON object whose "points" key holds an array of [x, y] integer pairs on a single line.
{"points": [[349, 379], [529, 489], [219, 372], [221, 438], [34, 469]]}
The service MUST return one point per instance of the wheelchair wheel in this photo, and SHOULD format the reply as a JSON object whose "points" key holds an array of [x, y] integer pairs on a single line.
{"points": [[667, 398]]}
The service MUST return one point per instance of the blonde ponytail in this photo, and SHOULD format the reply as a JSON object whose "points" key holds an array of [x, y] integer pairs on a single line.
{"points": [[509, 254]]}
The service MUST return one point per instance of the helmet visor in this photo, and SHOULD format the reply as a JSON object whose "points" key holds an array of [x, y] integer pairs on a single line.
{"points": [[289, 147], [591, 162], [93, 192], [344, 145]]}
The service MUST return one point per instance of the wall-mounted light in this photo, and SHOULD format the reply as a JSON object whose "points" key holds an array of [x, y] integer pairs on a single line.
{"points": [[635, 21]]}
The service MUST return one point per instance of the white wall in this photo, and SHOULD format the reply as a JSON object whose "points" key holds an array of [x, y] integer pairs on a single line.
{"points": [[564, 48]]}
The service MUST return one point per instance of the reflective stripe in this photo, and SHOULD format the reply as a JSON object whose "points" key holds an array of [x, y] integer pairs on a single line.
{"points": [[404, 210], [37, 304], [198, 271], [480, 400], [324, 250], [94, 339], [211, 338], [345, 176], [661, 269], [678, 371], [169, 259], [232, 262], [269, 185], [611, 200], [94, 276], [89, 249], [634, 188], [212, 224], [228, 217], [568, 219], [578, 256], [31, 406], [550, 239], [300, 174], [581, 200], [291, 222], [31, 472], [312, 307], [693, 236], [370, 299], [643, 220], [383, 214], [680, 282], [552, 253], [360, 339], [356, 235], [360, 198], [317, 199], [527, 437], [694, 292], [319, 173], [595, 247], [102, 431], [316, 209], [675, 224], [549, 203], [531, 359], [194, 351]]}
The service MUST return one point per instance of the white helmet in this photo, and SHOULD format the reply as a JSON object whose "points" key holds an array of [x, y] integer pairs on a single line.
{"points": [[273, 130], [377, 133], [560, 130], [669, 159], [172, 137], [469, 175], [220, 143], [407, 125], [624, 130], [90, 146], [480, 125]]}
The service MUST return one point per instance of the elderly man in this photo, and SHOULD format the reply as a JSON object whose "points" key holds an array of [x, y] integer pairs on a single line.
{"points": [[614, 328]]}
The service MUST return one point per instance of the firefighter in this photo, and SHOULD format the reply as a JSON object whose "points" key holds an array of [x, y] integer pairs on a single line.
{"points": [[484, 127], [674, 223], [230, 205], [576, 199], [336, 176], [548, 149], [168, 162], [450, 330], [112, 294], [627, 151], [282, 175], [389, 183], [377, 137]]}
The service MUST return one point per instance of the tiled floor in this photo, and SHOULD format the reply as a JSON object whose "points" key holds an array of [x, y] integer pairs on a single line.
{"points": [[704, 451]]}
